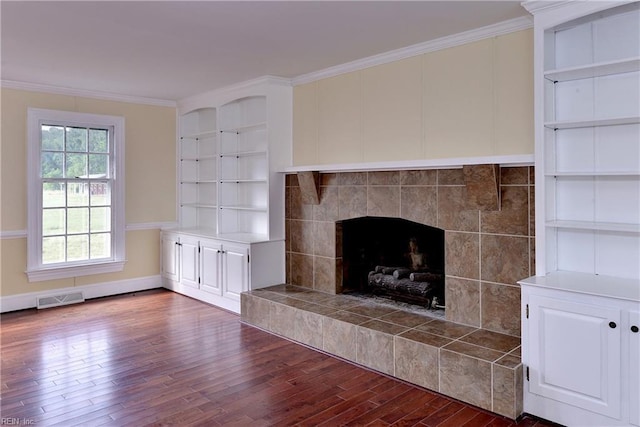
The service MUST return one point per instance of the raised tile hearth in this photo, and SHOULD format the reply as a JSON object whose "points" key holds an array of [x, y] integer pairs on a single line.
{"points": [[473, 365]]}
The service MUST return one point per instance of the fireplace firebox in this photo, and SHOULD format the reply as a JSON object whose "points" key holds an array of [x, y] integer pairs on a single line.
{"points": [[395, 258]]}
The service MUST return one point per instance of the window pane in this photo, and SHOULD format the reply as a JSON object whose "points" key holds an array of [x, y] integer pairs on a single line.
{"points": [[76, 139], [98, 165], [100, 194], [76, 165], [78, 194], [51, 164], [100, 245], [78, 247], [53, 222], [100, 219], [78, 220], [98, 141], [52, 138], [53, 194], [53, 249]]}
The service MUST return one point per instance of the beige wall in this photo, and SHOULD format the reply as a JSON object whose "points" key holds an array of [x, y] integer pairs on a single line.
{"points": [[150, 183], [470, 100]]}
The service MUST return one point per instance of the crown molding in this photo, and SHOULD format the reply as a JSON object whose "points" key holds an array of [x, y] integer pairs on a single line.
{"points": [[58, 90], [470, 36]]}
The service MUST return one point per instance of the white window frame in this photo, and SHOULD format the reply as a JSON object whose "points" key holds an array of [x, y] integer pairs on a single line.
{"points": [[36, 270]]}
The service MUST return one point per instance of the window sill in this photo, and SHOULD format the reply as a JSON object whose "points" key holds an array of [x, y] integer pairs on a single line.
{"points": [[52, 273]]}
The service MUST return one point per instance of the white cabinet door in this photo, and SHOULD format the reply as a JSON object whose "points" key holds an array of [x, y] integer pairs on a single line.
{"points": [[189, 261], [210, 267], [634, 367], [169, 246], [575, 353], [235, 271]]}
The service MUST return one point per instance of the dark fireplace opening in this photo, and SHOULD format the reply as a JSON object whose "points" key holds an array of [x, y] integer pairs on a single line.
{"points": [[395, 258]]}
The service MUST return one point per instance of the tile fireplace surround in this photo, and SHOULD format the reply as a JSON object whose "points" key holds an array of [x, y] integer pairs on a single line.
{"points": [[475, 357]]}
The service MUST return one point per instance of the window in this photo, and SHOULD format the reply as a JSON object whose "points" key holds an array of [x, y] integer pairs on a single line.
{"points": [[75, 194]]}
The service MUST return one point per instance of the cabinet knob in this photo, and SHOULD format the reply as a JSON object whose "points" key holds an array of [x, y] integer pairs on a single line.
{"points": [[612, 325], [634, 329]]}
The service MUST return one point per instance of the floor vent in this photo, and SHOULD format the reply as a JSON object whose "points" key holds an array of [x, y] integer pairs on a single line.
{"points": [[58, 300]]}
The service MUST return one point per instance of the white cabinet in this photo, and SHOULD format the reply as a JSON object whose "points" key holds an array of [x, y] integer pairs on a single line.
{"points": [[230, 238], [580, 351], [218, 271]]}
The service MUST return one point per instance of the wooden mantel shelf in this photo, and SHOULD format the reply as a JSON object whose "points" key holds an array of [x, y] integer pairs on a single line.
{"points": [[447, 163]]}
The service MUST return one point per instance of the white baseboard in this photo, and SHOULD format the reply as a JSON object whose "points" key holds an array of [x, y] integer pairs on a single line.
{"points": [[96, 290]]}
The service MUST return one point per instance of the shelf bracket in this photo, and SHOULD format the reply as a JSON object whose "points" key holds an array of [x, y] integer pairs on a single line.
{"points": [[309, 187]]}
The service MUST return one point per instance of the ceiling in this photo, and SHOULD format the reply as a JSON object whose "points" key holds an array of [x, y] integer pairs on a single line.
{"points": [[168, 50]]}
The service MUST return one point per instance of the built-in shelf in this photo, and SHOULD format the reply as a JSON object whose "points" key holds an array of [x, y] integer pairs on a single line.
{"points": [[200, 135], [594, 70], [574, 124], [595, 225], [200, 181], [244, 154], [593, 174], [198, 205], [243, 181], [248, 128], [198, 158], [245, 208]]}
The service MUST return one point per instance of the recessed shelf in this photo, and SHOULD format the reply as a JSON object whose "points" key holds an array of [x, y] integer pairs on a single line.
{"points": [[200, 135], [593, 174], [246, 128], [243, 181], [244, 153], [574, 124], [198, 205], [593, 70], [198, 158], [200, 181], [594, 225], [245, 208]]}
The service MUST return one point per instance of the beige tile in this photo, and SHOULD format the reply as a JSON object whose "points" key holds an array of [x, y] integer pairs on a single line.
{"points": [[501, 308], [493, 340], [450, 177], [324, 239], [371, 310], [452, 212], [302, 270], [475, 351], [462, 254], [375, 349], [514, 175], [348, 317], [308, 328], [352, 178], [324, 275], [327, 210], [302, 236], [405, 318], [465, 378], [417, 363], [419, 204], [339, 337], [509, 361], [254, 310], [507, 391], [482, 187], [352, 202], [282, 319], [299, 210], [463, 301], [328, 179], [505, 259], [383, 201], [425, 338], [513, 217], [446, 329], [384, 327], [418, 177], [384, 178]]}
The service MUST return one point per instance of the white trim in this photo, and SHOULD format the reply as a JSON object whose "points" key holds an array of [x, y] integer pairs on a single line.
{"points": [[22, 234], [13, 234], [67, 271], [470, 36], [448, 163], [37, 87], [97, 290]]}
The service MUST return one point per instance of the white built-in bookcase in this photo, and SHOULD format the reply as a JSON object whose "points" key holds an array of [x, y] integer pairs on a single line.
{"points": [[589, 150]]}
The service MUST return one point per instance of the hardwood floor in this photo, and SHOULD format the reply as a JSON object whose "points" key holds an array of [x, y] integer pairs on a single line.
{"points": [[159, 358]]}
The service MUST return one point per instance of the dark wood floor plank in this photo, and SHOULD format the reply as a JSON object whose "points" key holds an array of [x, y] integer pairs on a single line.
{"points": [[156, 358]]}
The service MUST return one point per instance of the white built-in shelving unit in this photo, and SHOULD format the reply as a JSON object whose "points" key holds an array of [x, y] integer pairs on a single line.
{"points": [[232, 145], [581, 312]]}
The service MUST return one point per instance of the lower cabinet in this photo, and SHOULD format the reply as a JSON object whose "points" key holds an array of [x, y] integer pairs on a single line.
{"points": [[580, 353], [217, 271]]}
